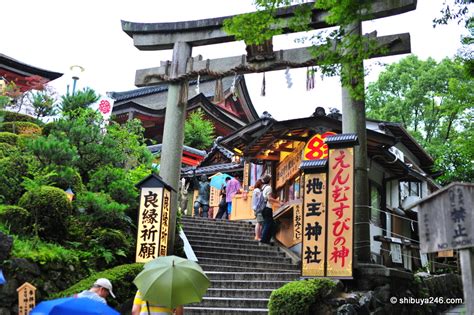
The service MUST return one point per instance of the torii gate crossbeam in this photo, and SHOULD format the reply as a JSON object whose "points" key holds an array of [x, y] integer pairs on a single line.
{"points": [[182, 36]]}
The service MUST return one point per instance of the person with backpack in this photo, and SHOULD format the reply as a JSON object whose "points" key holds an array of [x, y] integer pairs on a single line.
{"points": [[258, 204]]}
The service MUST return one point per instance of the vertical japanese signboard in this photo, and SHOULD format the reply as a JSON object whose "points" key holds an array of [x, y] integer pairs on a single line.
{"points": [[165, 217], [297, 222], [149, 222], [340, 212], [314, 226], [26, 298], [153, 219]]}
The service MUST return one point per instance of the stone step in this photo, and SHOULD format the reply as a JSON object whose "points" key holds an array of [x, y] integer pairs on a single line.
{"points": [[220, 239], [220, 235], [260, 250], [210, 242], [249, 265], [233, 302], [245, 284], [216, 267], [259, 276], [217, 229], [220, 222], [240, 257], [239, 293], [196, 310]]}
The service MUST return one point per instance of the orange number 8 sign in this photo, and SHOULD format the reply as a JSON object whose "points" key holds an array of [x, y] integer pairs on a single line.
{"points": [[316, 149]]}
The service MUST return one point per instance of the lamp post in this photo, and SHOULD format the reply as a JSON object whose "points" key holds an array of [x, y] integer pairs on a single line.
{"points": [[76, 71]]}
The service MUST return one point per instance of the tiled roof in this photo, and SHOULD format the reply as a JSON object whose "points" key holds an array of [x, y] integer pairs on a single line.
{"points": [[15, 64], [211, 169], [206, 87]]}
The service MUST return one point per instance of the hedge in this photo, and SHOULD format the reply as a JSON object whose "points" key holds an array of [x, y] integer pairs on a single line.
{"points": [[49, 208], [297, 297], [8, 137], [17, 219], [121, 278], [12, 171], [13, 116], [6, 149], [21, 127]]}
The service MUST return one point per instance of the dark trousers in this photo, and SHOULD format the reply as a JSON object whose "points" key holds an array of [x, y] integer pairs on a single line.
{"points": [[268, 225], [205, 209], [222, 211]]}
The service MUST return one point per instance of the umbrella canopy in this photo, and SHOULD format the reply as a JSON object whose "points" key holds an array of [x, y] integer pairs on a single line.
{"points": [[218, 180], [171, 281], [73, 306]]}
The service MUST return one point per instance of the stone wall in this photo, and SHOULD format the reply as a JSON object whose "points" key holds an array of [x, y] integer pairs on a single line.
{"points": [[378, 290], [47, 278]]}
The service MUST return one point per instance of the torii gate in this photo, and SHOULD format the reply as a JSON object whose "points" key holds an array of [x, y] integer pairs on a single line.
{"points": [[182, 36]]}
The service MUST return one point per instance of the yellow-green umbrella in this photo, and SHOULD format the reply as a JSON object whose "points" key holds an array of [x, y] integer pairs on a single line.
{"points": [[171, 281]]}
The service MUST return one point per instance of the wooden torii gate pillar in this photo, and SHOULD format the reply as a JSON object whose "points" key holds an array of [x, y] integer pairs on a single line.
{"points": [[182, 36]]}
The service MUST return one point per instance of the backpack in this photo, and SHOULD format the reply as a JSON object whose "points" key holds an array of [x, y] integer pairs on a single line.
{"points": [[261, 202]]}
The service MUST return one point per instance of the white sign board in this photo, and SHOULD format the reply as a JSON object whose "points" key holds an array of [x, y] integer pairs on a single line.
{"points": [[446, 219], [396, 253]]}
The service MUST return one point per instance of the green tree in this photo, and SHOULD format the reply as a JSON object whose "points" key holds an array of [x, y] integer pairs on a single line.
{"points": [[198, 132], [43, 103], [79, 100], [435, 102], [80, 141], [333, 49]]}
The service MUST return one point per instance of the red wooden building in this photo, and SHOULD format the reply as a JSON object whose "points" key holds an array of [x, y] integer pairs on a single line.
{"points": [[24, 76], [226, 103]]}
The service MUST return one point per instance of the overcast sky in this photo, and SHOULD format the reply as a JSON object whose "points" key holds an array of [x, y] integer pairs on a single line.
{"points": [[56, 34]]}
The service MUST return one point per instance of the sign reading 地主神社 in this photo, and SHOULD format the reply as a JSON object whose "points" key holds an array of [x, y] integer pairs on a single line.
{"points": [[313, 247], [153, 219]]}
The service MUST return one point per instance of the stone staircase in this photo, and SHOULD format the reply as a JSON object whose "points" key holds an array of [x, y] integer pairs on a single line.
{"points": [[243, 273]]}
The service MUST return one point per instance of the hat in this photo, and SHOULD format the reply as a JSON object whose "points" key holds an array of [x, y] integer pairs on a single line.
{"points": [[105, 283]]}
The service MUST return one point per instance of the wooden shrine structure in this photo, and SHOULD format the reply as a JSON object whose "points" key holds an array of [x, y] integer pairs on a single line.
{"points": [[183, 36]]}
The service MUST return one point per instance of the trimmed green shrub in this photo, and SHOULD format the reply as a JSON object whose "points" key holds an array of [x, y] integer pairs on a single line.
{"points": [[8, 137], [110, 246], [14, 116], [21, 127], [297, 297], [12, 171], [49, 208], [121, 278], [67, 177], [6, 150], [115, 182], [16, 218], [48, 128], [97, 204]]}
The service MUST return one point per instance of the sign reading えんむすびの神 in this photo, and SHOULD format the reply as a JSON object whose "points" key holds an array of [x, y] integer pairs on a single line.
{"points": [[340, 212]]}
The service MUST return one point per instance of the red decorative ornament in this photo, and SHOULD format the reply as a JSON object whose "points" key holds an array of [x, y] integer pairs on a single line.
{"points": [[104, 106]]}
